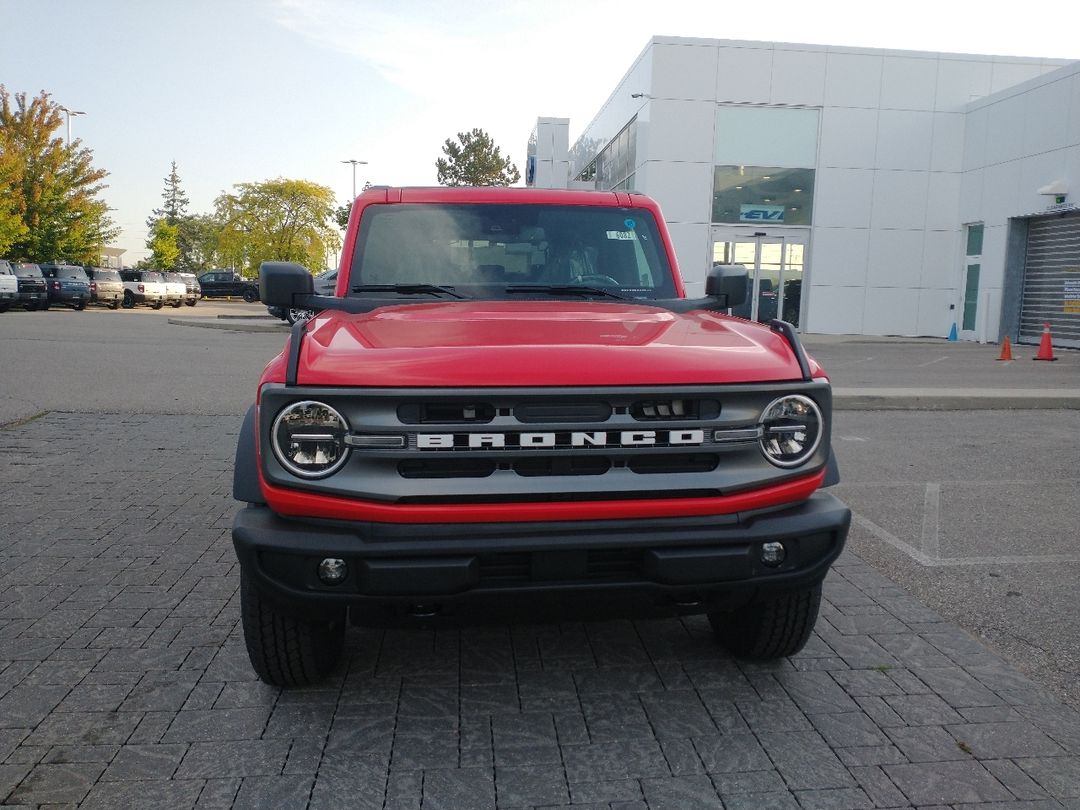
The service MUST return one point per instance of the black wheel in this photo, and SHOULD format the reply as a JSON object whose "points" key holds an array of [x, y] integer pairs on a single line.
{"points": [[156, 305], [192, 303], [114, 305], [129, 299], [772, 629], [44, 306], [250, 296], [177, 304], [79, 306], [30, 306], [284, 650]]}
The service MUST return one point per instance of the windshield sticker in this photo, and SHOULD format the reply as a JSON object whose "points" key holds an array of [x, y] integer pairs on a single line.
{"points": [[622, 235], [629, 223]]}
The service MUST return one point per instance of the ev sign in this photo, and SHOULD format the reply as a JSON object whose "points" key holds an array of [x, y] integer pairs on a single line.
{"points": [[761, 213]]}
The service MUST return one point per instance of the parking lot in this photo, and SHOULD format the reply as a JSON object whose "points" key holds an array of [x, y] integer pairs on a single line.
{"points": [[943, 671]]}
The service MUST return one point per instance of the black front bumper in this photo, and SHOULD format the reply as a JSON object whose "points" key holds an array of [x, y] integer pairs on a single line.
{"points": [[669, 565]]}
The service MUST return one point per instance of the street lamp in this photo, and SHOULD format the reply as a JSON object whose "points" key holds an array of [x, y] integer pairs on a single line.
{"points": [[354, 164], [69, 114]]}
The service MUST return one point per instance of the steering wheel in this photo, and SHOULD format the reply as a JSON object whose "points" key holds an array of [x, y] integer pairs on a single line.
{"points": [[593, 279]]}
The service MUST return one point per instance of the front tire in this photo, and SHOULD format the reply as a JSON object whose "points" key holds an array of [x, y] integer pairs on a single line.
{"points": [[177, 304], [284, 650], [129, 300], [157, 305], [250, 296], [192, 303], [770, 629], [114, 305]]}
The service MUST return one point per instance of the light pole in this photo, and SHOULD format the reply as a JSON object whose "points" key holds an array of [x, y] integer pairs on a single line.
{"points": [[354, 164], [69, 114]]}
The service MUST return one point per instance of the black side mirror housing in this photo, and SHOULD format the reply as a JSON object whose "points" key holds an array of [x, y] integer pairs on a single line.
{"points": [[280, 282], [727, 281]]}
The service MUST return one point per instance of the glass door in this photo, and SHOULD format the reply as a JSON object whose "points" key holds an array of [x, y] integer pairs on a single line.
{"points": [[774, 265]]}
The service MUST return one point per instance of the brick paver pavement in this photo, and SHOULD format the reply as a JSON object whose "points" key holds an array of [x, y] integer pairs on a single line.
{"points": [[124, 681]]}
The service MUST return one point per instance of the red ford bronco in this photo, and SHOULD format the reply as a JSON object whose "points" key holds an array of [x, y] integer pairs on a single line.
{"points": [[508, 403]]}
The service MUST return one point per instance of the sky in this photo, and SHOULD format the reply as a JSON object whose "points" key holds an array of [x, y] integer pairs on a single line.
{"points": [[249, 90]]}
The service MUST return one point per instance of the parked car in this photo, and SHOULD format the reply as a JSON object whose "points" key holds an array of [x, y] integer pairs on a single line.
{"points": [[324, 285], [9, 285], [106, 288], [228, 284], [193, 292], [66, 285], [175, 289], [32, 292], [143, 287]]}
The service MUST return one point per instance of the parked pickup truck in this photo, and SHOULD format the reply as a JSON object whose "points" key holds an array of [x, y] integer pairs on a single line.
{"points": [[509, 406], [9, 285]]}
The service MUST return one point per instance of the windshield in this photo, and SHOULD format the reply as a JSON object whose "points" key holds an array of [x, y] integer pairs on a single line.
{"points": [[28, 270], [484, 250]]}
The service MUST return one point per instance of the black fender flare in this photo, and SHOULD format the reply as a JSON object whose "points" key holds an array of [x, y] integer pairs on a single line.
{"points": [[246, 467], [832, 470]]}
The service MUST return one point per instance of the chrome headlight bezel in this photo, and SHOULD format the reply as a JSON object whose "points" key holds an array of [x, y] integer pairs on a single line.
{"points": [[812, 417], [338, 433]]}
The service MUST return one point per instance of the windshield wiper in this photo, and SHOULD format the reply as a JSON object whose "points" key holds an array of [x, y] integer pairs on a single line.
{"points": [[409, 289], [563, 289]]}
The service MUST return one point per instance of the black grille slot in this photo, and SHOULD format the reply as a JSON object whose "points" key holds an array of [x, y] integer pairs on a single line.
{"points": [[575, 465], [652, 410], [446, 468], [499, 569], [608, 565], [447, 413], [674, 463], [614, 564], [556, 412]]}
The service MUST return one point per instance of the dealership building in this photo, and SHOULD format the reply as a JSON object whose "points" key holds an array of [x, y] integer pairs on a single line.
{"points": [[875, 192]]}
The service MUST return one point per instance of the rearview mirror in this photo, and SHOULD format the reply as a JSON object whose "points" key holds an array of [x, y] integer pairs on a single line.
{"points": [[279, 282], [727, 281]]}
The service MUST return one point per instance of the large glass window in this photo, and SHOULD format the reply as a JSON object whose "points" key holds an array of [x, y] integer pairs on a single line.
{"points": [[614, 166], [762, 195], [765, 158]]}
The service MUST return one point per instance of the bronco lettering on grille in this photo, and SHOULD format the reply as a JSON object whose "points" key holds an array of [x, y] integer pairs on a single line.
{"points": [[577, 438]]}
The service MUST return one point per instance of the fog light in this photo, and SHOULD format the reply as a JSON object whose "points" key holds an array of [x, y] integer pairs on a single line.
{"points": [[773, 553], [333, 571]]}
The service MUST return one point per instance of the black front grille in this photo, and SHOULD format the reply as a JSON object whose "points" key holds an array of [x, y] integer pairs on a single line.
{"points": [[594, 565]]}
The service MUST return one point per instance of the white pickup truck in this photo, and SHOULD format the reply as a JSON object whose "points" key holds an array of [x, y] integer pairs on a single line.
{"points": [[9, 286]]}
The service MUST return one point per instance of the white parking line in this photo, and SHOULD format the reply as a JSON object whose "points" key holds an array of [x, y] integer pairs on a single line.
{"points": [[931, 362], [931, 523]]}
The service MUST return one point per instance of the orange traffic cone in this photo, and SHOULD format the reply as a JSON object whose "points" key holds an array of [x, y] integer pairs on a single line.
{"points": [[1046, 347], [1006, 349]]}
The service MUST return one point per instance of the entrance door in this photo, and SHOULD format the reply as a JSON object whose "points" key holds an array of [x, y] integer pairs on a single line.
{"points": [[774, 264]]}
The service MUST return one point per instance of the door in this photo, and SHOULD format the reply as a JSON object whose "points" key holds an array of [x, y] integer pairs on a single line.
{"points": [[1052, 281], [774, 263]]}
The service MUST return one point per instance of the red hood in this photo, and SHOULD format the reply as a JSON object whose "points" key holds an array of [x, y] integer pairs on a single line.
{"points": [[539, 343]]}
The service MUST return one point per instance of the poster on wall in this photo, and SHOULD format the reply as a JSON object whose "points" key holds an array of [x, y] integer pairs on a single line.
{"points": [[1071, 296]]}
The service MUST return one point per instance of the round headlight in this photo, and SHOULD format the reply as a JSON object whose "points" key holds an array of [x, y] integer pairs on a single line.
{"points": [[309, 439], [790, 430]]}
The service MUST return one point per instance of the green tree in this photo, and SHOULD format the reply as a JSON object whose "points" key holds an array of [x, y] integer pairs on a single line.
{"points": [[52, 187], [12, 227], [475, 160], [199, 240], [277, 220], [174, 201], [341, 215], [164, 245]]}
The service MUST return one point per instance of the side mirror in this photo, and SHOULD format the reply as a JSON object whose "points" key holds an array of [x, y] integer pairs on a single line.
{"points": [[727, 281], [279, 282]]}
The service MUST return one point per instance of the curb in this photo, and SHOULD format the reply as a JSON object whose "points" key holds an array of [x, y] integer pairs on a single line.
{"points": [[235, 324], [953, 399]]}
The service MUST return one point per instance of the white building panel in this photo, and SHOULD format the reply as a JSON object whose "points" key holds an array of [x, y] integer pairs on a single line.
{"points": [[684, 72], [1038, 171], [1046, 117], [684, 190], [839, 256], [891, 311], [943, 201], [843, 198], [941, 261], [798, 77], [904, 139], [908, 83], [899, 200], [975, 134], [693, 251], [836, 310], [744, 74], [1001, 192], [680, 131], [1006, 123], [848, 138], [853, 80], [947, 146], [1007, 74], [895, 258], [935, 318], [961, 80]]}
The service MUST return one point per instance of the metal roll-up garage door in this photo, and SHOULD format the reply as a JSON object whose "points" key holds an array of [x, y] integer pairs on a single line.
{"points": [[1052, 281]]}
